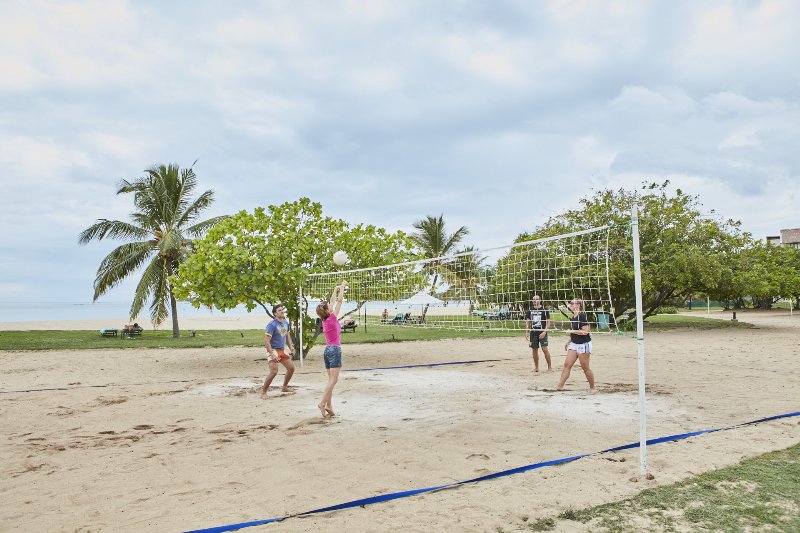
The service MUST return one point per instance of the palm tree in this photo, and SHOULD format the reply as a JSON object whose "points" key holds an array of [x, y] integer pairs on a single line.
{"points": [[161, 230], [433, 241]]}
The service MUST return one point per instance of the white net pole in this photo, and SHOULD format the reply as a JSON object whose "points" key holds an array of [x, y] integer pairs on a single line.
{"points": [[300, 302], [637, 273]]}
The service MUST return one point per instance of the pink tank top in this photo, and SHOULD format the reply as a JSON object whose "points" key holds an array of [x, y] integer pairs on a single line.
{"points": [[332, 330]]}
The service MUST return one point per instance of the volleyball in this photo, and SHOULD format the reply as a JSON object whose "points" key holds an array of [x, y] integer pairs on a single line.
{"points": [[340, 258]]}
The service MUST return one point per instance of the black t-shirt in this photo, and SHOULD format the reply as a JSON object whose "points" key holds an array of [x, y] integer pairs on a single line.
{"points": [[577, 322], [539, 318]]}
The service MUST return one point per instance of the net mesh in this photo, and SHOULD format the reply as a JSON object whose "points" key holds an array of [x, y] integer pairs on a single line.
{"points": [[481, 289]]}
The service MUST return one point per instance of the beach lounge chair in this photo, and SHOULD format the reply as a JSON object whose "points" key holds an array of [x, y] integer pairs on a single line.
{"points": [[132, 331], [399, 318], [350, 324]]}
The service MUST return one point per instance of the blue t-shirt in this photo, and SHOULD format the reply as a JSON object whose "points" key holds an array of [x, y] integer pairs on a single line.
{"points": [[278, 330]]}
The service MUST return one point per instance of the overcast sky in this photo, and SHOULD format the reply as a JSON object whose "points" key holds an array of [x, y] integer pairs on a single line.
{"points": [[496, 114]]}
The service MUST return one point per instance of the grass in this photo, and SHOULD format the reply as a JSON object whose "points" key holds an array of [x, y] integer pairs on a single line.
{"points": [[664, 322], [758, 494], [88, 340]]}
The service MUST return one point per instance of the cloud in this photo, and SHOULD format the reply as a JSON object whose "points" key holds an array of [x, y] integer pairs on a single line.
{"points": [[498, 116]]}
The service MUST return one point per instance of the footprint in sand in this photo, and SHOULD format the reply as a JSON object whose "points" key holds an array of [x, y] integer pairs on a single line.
{"points": [[478, 456], [308, 422]]}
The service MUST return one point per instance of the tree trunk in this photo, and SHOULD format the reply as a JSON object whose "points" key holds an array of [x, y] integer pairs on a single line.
{"points": [[176, 330]]}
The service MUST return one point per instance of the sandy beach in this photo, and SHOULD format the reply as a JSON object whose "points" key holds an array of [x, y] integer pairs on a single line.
{"points": [[172, 440]]}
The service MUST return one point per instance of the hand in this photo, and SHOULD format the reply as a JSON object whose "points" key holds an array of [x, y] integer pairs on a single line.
{"points": [[566, 347], [273, 357], [542, 335]]}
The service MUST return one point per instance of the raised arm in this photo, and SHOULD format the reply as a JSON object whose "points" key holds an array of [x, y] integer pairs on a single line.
{"points": [[336, 307]]}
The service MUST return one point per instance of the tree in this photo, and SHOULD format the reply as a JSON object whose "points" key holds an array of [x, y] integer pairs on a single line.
{"points": [[432, 240], [682, 250], [260, 258], [162, 228]]}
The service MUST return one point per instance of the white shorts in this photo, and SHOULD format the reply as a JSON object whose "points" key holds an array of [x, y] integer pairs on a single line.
{"points": [[581, 348]]}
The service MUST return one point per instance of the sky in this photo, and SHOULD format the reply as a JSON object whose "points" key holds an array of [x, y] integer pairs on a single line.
{"points": [[496, 115]]}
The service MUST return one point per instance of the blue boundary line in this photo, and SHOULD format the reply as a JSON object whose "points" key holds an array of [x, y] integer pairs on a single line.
{"points": [[404, 494], [240, 377]]}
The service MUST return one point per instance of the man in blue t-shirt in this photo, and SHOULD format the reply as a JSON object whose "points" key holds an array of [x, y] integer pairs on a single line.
{"points": [[276, 337], [537, 324]]}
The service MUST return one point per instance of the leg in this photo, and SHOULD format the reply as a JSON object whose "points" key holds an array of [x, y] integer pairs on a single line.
{"points": [[584, 358], [535, 352], [289, 371], [572, 356], [273, 371], [333, 377], [547, 358], [321, 405]]}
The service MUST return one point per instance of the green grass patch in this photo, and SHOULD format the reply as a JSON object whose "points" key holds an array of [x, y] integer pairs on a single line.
{"points": [[758, 494], [88, 340], [663, 322]]}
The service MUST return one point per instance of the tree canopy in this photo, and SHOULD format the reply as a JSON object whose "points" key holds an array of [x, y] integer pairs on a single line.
{"points": [[682, 249], [263, 257]]}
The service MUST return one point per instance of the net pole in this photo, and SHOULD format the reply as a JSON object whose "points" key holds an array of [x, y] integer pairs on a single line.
{"points": [[302, 313], [637, 276]]}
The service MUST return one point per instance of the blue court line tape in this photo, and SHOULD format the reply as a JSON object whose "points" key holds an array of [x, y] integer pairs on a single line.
{"points": [[404, 494], [240, 377], [427, 364]]}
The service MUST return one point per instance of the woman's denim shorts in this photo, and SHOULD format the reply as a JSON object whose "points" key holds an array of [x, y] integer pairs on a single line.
{"points": [[333, 356]]}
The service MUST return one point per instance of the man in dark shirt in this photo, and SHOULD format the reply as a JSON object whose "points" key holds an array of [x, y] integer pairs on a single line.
{"points": [[537, 324]]}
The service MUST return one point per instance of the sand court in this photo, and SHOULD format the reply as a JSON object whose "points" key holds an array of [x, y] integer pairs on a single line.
{"points": [[178, 439]]}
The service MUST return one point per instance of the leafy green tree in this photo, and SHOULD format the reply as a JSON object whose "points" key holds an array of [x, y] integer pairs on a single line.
{"points": [[682, 250], [162, 230], [264, 257]]}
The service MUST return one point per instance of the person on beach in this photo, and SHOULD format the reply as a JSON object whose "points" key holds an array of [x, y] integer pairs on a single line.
{"points": [[328, 314], [579, 345], [276, 337], [537, 324]]}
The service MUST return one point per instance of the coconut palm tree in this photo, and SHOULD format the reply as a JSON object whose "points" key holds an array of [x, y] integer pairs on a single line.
{"points": [[161, 231], [433, 240]]}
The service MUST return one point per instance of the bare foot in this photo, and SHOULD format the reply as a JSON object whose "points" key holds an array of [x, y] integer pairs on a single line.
{"points": [[285, 388], [330, 412], [263, 395], [592, 390], [536, 370], [323, 411]]}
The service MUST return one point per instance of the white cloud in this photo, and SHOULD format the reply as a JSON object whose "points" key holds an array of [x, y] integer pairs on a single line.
{"points": [[496, 115]]}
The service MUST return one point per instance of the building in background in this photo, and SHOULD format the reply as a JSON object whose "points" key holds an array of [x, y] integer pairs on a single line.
{"points": [[788, 237]]}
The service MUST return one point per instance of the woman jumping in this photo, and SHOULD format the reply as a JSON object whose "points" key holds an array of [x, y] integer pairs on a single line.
{"points": [[327, 312]]}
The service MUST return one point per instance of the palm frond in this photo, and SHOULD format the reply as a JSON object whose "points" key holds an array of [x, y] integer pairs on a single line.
{"points": [[113, 229], [201, 227], [119, 264], [190, 213]]}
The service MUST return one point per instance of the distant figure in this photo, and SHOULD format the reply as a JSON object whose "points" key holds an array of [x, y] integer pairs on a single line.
{"points": [[579, 345], [385, 315], [276, 337], [537, 324], [327, 312]]}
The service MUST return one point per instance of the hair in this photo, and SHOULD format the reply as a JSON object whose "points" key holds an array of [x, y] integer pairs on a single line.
{"points": [[578, 301], [276, 307], [322, 311]]}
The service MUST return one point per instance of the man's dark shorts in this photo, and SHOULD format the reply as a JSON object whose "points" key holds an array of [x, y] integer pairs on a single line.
{"points": [[536, 342], [332, 356]]}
